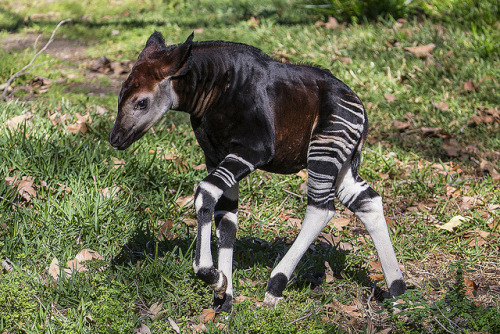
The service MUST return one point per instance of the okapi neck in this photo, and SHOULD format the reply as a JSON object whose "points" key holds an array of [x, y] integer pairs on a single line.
{"points": [[206, 81]]}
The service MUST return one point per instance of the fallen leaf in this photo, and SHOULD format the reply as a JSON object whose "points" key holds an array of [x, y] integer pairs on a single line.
{"points": [[198, 31], [376, 265], [390, 97], [156, 310], [339, 223], [332, 23], [118, 163], [190, 222], [401, 125], [174, 326], [200, 167], [199, 328], [207, 315], [329, 275], [54, 269], [470, 287], [452, 147], [346, 60], [489, 167], [485, 116], [454, 222], [14, 122], [185, 201], [421, 51], [470, 86], [452, 192], [441, 106], [111, 192], [165, 227], [431, 132], [77, 128], [302, 174], [143, 330]]}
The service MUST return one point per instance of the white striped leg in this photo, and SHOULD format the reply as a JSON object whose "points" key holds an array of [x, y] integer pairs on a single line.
{"points": [[226, 224], [232, 169], [366, 203], [314, 221]]}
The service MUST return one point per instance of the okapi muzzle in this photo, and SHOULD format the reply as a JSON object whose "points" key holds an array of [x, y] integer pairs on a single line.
{"points": [[249, 111]]}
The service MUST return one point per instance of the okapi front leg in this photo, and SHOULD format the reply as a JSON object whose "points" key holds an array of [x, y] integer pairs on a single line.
{"points": [[225, 176], [226, 223]]}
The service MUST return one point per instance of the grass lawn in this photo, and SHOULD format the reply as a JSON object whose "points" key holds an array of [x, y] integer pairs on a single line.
{"points": [[428, 73]]}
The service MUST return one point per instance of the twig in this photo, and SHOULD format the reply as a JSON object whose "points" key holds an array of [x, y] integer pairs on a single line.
{"points": [[370, 299], [27, 69], [301, 318]]}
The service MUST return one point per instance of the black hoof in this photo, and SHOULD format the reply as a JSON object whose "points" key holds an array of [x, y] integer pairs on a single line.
{"points": [[397, 288], [223, 304], [277, 284]]}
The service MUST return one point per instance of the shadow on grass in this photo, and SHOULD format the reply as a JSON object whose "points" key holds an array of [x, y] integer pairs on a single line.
{"points": [[252, 252]]}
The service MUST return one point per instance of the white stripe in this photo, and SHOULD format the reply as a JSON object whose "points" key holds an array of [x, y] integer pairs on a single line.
{"points": [[240, 159]]}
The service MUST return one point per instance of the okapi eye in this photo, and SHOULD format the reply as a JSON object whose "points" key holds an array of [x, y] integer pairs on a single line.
{"points": [[141, 104]]}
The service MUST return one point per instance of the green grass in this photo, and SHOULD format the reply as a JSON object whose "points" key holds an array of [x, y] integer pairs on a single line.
{"points": [[412, 170]]}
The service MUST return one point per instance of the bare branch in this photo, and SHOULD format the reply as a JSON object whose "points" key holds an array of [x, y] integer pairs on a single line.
{"points": [[27, 69]]}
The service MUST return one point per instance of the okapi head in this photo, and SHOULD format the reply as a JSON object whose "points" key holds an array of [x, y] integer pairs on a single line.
{"points": [[147, 94]]}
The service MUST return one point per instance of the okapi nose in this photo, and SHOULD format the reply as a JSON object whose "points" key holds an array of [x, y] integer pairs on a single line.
{"points": [[115, 138]]}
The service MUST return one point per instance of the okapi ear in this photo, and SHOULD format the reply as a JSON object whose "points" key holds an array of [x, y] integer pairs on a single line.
{"points": [[155, 43], [182, 55]]}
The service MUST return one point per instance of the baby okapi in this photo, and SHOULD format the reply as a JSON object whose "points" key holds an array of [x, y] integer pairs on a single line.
{"points": [[250, 111]]}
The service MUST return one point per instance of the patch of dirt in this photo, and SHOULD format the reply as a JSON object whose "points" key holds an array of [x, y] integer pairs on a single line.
{"points": [[96, 83], [59, 48]]}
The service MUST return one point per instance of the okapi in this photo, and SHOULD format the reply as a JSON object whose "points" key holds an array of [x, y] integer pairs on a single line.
{"points": [[250, 111]]}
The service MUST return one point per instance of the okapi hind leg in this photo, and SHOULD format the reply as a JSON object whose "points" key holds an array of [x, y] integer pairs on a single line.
{"points": [[366, 203], [226, 223], [320, 209]]}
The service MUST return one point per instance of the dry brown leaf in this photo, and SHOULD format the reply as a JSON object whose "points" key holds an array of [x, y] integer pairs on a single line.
{"points": [[82, 256], [185, 201], [401, 125], [431, 132], [156, 310], [174, 326], [339, 223], [485, 116], [207, 315], [14, 122], [54, 269], [199, 328], [470, 86], [200, 167], [332, 23], [190, 222], [165, 227], [111, 192], [64, 187], [83, 118], [329, 273], [118, 163], [346, 60], [470, 287], [441, 106], [143, 330], [421, 51], [452, 192], [390, 97], [77, 128], [490, 168], [376, 265], [302, 174], [452, 147]]}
